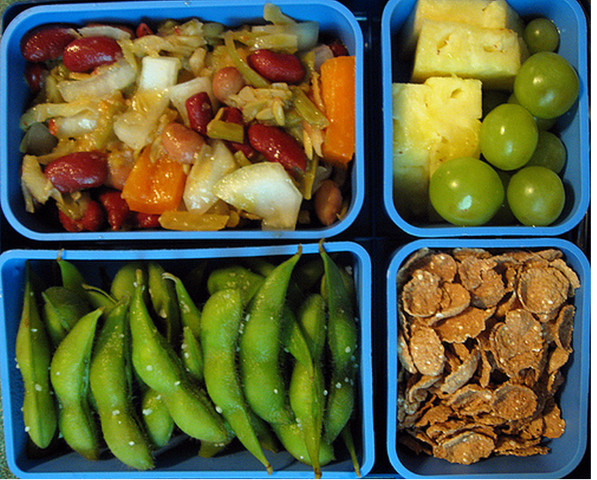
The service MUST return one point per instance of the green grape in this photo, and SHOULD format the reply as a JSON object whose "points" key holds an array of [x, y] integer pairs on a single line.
{"points": [[508, 136], [541, 35], [536, 196], [542, 123], [466, 191], [546, 85], [550, 152]]}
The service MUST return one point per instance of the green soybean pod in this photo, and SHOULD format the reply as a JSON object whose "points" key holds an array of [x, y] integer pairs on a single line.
{"points": [[111, 389], [220, 323], [342, 343], [292, 440], [192, 354], [62, 308], [235, 276], [260, 348], [156, 418], [163, 298], [153, 359], [98, 298], [158, 367], [33, 355], [194, 414], [306, 391], [190, 315], [71, 276], [293, 338], [69, 373], [123, 283]]}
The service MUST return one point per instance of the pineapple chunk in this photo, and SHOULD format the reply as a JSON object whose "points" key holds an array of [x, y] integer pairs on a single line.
{"points": [[450, 48], [481, 13], [432, 123]]}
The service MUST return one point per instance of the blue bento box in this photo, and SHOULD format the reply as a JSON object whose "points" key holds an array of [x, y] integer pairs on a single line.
{"points": [[333, 17], [567, 451], [179, 459], [573, 127]]}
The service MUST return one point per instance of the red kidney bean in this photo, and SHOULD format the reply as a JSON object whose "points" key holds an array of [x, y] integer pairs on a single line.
{"points": [[277, 67], [77, 171], [338, 48], [117, 210], [199, 112], [142, 30], [92, 219], [147, 220], [46, 43], [86, 53], [277, 146], [234, 115], [35, 76], [227, 81], [181, 143], [328, 202]]}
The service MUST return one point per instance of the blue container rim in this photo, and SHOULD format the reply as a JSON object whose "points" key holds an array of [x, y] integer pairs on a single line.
{"points": [[486, 231], [397, 259], [363, 260], [161, 7]]}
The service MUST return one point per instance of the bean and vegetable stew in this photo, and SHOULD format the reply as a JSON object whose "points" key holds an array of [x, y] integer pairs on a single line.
{"points": [[188, 125]]}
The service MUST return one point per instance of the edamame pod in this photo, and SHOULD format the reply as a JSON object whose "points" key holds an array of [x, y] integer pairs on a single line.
{"points": [[220, 323], [33, 357], [306, 391], [342, 343], [156, 418], [98, 298], [194, 414], [192, 354], [163, 299], [236, 276], [190, 315], [123, 283], [262, 378], [293, 338], [292, 440], [71, 276], [69, 374], [153, 358], [158, 366], [110, 387], [63, 308]]}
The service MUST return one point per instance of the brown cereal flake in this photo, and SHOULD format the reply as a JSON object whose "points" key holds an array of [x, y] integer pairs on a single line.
{"points": [[564, 326], [471, 400], [514, 402], [436, 414], [557, 359], [468, 324], [455, 300], [542, 290], [422, 295], [554, 423], [427, 351], [518, 342], [465, 448], [490, 291], [406, 359], [461, 254], [462, 374], [441, 264], [472, 271], [520, 448]]}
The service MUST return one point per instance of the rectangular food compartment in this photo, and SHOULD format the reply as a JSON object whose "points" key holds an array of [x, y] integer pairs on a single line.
{"points": [[566, 451], [334, 19], [179, 458], [572, 127]]}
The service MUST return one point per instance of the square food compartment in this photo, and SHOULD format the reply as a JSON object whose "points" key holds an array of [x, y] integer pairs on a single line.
{"points": [[179, 458], [572, 127], [565, 452], [335, 20]]}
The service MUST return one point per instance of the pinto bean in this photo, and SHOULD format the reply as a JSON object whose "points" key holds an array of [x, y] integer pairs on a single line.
{"points": [[227, 81], [181, 143]]}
